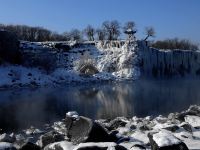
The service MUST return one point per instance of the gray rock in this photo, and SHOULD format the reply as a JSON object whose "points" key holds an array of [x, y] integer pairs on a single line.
{"points": [[116, 123], [154, 145], [172, 128], [85, 130], [7, 138], [187, 127], [50, 137], [6, 146], [99, 146], [63, 145], [29, 146]]}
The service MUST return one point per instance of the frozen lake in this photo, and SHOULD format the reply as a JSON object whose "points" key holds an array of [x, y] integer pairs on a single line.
{"points": [[22, 108]]}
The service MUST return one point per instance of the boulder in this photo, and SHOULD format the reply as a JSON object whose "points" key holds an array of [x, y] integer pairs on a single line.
{"points": [[85, 130], [6, 146], [29, 146], [193, 120], [165, 141], [116, 123], [172, 128], [7, 138], [50, 137], [186, 126], [99, 146], [63, 145], [9, 47]]}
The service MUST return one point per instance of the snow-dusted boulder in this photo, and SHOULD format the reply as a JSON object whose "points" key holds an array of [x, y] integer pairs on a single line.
{"points": [[6, 146], [49, 137], [7, 138], [63, 145], [99, 146], [165, 141], [193, 120], [85, 130]]}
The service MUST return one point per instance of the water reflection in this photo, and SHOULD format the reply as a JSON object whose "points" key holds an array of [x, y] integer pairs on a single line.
{"points": [[23, 108]]}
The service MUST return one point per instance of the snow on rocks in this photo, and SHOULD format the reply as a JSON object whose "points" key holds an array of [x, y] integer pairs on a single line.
{"points": [[193, 120], [74, 133], [6, 146], [165, 140]]}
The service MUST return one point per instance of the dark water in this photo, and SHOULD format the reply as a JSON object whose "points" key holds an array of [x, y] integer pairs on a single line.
{"points": [[20, 109]]}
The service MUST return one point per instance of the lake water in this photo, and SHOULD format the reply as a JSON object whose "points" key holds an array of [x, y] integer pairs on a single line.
{"points": [[21, 108]]}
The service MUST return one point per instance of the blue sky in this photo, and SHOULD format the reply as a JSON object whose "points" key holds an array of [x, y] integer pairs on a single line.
{"points": [[170, 18]]}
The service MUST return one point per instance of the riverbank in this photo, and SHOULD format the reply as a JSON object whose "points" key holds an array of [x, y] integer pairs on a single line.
{"points": [[177, 130]]}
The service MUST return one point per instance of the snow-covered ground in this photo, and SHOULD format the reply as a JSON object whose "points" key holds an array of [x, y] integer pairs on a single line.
{"points": [[112, 64]]}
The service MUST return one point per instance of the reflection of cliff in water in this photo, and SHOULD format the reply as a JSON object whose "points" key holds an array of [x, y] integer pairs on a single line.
{"points": [[23, 108]]}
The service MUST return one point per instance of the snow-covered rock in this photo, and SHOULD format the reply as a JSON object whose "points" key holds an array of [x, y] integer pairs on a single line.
{"points": [[193, 120], [165, 140]]}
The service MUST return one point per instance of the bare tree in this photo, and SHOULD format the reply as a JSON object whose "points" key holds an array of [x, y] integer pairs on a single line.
{"points": [[75, 35], [112, 29], [150, 32], [129, 25], [100, 34], [89, 31]]}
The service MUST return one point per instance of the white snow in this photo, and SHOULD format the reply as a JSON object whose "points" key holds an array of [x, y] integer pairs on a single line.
{"points": [[110, 145], [64, 145], [164, 138], [193, 120], [5, 145], [73, 114]]}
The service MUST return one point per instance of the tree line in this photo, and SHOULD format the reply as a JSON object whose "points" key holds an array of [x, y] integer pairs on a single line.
{"points": [[109, 30]]}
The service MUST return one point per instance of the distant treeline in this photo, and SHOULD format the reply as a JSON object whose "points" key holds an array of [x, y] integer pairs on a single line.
{"points": [[175, 43], [109, 30], [33, 34]]}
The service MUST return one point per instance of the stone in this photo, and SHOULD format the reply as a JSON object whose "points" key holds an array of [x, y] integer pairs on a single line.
{"points": [[49, 137], [172, 128], [29, 146], [7, 138], [63, 145], [99, 146], [6, 146], [165, 141], [194, 121], [116, 123], [85, 130], [186, 126]]}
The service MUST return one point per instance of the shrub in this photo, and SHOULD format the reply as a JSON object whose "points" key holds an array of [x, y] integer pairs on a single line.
{"points": [[175, 44], [9, 48]]}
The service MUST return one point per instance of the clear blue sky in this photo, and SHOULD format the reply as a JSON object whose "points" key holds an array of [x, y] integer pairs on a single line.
{"points": [[170, 18]]}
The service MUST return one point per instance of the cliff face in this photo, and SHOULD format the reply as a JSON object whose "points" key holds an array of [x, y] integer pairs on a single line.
{"points": [[168, 63]]}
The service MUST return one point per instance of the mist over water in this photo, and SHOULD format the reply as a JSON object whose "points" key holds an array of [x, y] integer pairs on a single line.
{"points": [[19, 109]]}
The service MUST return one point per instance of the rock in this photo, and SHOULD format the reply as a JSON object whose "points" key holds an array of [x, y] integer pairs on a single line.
{"points": [[138, 147], [165, 141], [116, 123], [9, 47], [63, 145], [193, 120], [172, 128], [7, 138], [29, 146], [85, 130], [186, 126], [143, 126], [49, 137], [194, 110], [6, 146], [99, 146]]}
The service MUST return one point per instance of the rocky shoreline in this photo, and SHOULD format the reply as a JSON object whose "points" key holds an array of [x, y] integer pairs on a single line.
{"points": [[177, 131]]}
